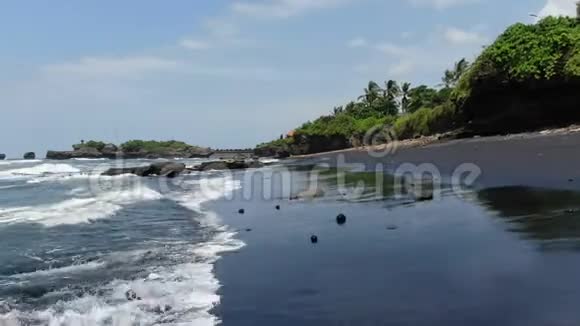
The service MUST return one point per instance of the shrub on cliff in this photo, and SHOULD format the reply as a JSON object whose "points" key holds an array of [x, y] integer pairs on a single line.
{"points": [[153, 146], [547, 50], [528, 78], [98, 145]]}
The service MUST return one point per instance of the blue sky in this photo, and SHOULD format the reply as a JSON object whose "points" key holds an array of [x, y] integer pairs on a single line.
{"points": [[220, 73]]}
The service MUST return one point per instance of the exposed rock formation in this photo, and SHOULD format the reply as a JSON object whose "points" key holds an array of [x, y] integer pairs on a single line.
{"points": [[29, 156], [2, 157], [228, 165], [111, 151], [162, 169]]}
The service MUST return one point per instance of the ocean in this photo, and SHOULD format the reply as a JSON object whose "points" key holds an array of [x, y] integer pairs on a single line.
{"points": [[73, 243], [234, 248]]}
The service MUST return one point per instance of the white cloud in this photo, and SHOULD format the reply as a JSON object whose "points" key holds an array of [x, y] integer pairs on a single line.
{"points": [[558, 8], [282, 8], [194, 44], [111, 66], [221, 28], [393, 49], [402, 68], [109, 69], [441, 4], [458, 36], [358, 42]]}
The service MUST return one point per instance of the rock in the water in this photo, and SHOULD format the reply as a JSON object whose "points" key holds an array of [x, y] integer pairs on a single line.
{"points": [[278, 207], [139, 171], [2, 157], [229, 165], [241, 211], [341, 219], [314, 239], [29, 156], [83, 152], [162, 169], [131, 295], [392, 227], [166, 169]]}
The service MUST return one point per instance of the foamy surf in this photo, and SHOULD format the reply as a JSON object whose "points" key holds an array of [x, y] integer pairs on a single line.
{"points": [[38, 170], [79, 210], [181, 294], [173, 278]]}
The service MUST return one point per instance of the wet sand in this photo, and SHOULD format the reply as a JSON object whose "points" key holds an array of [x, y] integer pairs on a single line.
{"points": [[506, 252], [535, 159]]}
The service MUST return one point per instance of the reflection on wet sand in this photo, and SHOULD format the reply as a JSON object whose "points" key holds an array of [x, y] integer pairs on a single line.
{"points": [[550, 216]]}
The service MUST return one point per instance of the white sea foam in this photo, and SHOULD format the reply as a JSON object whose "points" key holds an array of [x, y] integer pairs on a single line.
{"points": [[205, 190], [174, 294], [79, 210], [182, 294], [19, 161], [89, 159], [41, 169], [62, 270], [269, 160]]}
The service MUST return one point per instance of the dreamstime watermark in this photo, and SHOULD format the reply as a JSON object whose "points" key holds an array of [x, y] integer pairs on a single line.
{"points": [[350, 181], [376, 172]]}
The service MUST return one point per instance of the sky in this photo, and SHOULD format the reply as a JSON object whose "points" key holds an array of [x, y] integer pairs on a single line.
{"points": [[221, 73]]}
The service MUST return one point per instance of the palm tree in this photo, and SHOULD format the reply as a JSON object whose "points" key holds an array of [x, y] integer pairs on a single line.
{"points": [[392, 90], [451, 77], [405, 97], [460, 68], [371, 93]]}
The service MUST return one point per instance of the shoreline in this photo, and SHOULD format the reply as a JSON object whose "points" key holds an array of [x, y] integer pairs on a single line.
{"points": [[437, 140]]}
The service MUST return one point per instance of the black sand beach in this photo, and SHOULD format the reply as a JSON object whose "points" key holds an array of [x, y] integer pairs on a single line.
{"points": [[504, 251]]}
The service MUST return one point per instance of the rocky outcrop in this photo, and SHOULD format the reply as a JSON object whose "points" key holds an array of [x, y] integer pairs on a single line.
{"points": [[2, 157], [29, 156], [85, 152], [228, 165], [111, 151], [162, 169]]}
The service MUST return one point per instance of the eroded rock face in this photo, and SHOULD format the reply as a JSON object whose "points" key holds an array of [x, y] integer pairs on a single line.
{"points": [[162, 169], [29, 156]]}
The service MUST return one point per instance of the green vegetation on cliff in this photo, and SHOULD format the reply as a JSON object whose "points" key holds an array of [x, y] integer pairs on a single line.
{"points": [[153, 146], [98, 145], [528, 78]]}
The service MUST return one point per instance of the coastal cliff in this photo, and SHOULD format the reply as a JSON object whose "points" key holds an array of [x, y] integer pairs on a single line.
{"points": [[527, 79]]}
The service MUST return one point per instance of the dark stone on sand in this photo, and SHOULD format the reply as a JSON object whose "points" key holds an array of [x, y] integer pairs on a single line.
{"points": [[29, 156], [341, 219], [314, 239], [241, 211], [2, 157], [162, 169]]}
